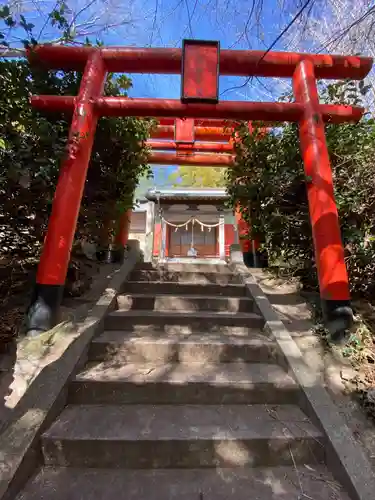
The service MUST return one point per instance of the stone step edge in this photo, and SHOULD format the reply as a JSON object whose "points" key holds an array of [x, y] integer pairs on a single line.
{"points": [[254, 370], [191, 296], [284, 414], [240, 341], [223, 482], [184, 284], [192, 314]]}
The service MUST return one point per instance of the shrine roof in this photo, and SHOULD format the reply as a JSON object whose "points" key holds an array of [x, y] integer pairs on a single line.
{"points": [[218, 194]]}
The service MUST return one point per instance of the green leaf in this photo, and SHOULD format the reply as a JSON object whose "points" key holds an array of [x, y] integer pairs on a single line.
{"points": [[4, 11], [9, 21]]}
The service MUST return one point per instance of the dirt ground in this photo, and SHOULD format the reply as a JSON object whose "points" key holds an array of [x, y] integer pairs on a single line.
{"points": [[16, 282], [347, 371], [21, 359]]}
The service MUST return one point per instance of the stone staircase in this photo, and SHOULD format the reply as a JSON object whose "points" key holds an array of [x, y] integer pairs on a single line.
{"points": [[183, 397]]}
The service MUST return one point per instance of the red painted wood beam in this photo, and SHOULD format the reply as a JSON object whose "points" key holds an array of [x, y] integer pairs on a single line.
{"points": [[198, 122], [209, 147], [122, 233], [206, 133], [165, 129], [62, 223], [262, 111], [55, 103], [203, 160], [326, 231], [232, 62], [200, 133], [210, 130], [54, 260]]}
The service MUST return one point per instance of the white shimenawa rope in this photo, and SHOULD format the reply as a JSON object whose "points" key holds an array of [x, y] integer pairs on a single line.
{"points": [[192, 220]]}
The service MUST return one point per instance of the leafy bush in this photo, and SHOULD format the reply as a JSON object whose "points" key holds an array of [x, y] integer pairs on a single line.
{"points": [[32, 146], [268, 177]]}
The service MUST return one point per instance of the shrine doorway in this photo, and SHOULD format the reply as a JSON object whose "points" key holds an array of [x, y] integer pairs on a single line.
{"points": [[204, 240]]}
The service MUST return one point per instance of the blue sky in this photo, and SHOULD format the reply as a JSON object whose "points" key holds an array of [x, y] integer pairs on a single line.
{"points": [[165, 23], [171, 25]]}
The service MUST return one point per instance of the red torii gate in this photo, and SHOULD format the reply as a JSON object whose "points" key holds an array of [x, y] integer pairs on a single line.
{"points": [[185, 150], [202, 133], [197, 146], [185, 147], [200, 63], [190, 129]]}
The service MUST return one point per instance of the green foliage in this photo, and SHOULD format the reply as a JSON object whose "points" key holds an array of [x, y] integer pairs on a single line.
{"points": [[205, 177], [118, 162], [56, 18], [33, 145], [268, 177]]}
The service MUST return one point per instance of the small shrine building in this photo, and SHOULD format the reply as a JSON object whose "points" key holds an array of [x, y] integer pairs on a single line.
{"points": [[180, 224]]}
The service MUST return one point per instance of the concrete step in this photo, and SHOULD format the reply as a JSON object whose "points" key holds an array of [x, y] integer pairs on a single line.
{"points": [[160, 302], [197, 321], [114, 382], [175, 330], [195, 268], [181, 436], [185, 277], [170, 288], [200, 347], [277, 483]]}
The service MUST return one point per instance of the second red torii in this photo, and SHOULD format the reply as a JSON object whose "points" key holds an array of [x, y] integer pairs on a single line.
{"points": [[185, 147]]}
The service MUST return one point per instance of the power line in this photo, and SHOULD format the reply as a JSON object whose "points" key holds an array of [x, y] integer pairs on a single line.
{"points": [[194, 9], [295, 18], [189, 27], [189, 18], [154, 21]]}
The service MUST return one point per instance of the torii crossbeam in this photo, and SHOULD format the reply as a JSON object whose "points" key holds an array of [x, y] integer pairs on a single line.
{"points": [[186, 150]]}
